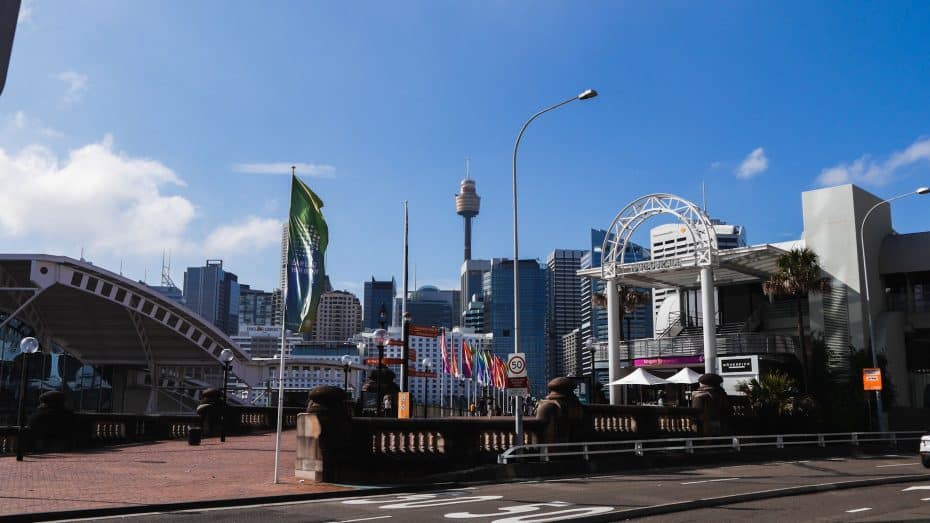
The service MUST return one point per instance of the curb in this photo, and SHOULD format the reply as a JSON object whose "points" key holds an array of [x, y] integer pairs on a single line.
{"points": [[682, 506]]}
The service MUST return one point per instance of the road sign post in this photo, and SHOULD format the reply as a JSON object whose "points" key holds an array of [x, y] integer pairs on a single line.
{"points": [[517, 381]]}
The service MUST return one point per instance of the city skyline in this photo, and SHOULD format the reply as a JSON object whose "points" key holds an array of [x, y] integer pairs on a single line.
{"points": [[192, 171]]}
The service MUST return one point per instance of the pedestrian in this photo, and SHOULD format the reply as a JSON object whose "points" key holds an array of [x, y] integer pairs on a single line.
{"points": [[388, 406]]}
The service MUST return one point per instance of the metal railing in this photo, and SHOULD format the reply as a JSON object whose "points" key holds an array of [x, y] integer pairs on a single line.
{"points": [[740, 343], [585, 450]]}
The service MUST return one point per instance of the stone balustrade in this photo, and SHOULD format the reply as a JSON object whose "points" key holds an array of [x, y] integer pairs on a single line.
{"points": [[334, 446]]}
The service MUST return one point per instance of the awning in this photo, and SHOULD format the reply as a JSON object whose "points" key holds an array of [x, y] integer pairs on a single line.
{"points": [[685, 376], [640, 377]]}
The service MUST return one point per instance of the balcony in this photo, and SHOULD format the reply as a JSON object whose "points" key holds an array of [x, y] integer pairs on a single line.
{"points": [[727, 344]]}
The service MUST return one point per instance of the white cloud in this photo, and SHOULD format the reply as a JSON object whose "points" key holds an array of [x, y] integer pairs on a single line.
{"points": [[317, 170], [105, 200], [866, 171], [23, 126], [254, 233], [76, 82], [753, 164], [25, 12], [19, 120]]}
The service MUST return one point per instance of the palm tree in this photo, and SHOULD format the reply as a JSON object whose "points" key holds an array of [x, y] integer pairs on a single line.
{"points": [[798, 274], [630, 298], [775, 395]]}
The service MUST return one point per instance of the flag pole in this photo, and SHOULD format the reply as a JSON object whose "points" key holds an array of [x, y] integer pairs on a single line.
{"points": [[280, 427]]}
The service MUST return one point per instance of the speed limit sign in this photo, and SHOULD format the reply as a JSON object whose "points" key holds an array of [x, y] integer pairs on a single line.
{"points": [[517, 382]]}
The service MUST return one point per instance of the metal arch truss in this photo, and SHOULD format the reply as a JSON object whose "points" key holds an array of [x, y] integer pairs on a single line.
{"points": [[633, 215]]}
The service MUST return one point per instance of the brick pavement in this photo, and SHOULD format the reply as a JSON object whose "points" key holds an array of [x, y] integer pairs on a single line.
{"points": [[162, 472]]}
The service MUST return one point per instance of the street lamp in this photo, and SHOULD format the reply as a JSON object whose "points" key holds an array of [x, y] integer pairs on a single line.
{"points": [[882, 425], [226, 356], [427, 365], [518, 412], [592, 349], [346, 361], [380, 337], [27, 346]]}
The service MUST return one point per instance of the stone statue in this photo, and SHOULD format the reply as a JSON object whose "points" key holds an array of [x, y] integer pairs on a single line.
{"points": [[563, 412]]}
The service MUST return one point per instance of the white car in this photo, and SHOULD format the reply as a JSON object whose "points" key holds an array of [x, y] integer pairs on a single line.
{"points": [[925, 450]]}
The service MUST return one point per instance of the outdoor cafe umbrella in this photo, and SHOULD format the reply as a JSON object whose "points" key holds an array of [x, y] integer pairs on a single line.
{"points": [[640, 377], [687, 377]]}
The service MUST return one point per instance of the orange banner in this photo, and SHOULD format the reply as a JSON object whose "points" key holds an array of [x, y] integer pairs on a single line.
{"points": [[871, 379]]}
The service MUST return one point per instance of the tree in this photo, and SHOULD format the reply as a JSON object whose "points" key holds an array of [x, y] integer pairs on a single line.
{"points": [[774, 397], [630, 298], [798, 274]]}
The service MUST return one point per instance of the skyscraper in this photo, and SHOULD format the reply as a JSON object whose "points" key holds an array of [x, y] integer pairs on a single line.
{"points": [[637, 324], [498, 298], [338, 318], [467, 205], [214, 294], [432, 307], [563, 308], [472, 277], [378, 294]]}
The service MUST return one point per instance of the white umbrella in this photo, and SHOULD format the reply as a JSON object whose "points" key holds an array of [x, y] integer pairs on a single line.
{"points": [[640, 377], [685, 376]]}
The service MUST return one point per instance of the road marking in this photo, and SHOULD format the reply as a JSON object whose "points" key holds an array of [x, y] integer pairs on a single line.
{"points": [[707, 481], [363, 519], [858, 510], [925, 499], [897, 465], [916, 487]]}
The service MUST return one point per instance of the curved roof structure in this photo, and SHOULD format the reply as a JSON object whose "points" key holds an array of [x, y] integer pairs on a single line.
{"points": [[105, 319]]}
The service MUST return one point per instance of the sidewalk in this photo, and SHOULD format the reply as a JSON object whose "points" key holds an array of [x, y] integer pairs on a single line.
{"points": [[162, 472]]}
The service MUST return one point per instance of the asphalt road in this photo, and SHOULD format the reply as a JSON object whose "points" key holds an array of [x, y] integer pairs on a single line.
{"points": [[622, 496]]}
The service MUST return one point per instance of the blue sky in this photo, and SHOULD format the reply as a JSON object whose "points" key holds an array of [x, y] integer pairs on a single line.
{"points": [[129, 128]]}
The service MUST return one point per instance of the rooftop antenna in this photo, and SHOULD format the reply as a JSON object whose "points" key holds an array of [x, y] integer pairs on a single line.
{"points": [[703, 197], [82, 253], [120, 266], [166, 280], [467, 168]]}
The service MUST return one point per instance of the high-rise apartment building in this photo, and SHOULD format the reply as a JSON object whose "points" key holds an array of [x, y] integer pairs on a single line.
{"points": [[258, 308], [378, 294], [673, 240], [338, 318], [429, 306], [498, 299], [563, 307], [214, 294]]}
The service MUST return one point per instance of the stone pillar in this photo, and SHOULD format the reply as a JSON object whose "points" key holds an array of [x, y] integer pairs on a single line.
{"points": [[710, 324], [323, 435], [613, 339]]}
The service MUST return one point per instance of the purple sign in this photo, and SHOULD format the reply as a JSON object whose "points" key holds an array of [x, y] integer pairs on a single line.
{"points": [[668, 360]]}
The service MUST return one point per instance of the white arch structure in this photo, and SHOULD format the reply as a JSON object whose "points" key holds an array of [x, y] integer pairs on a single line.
{"points": [[614, 267]]}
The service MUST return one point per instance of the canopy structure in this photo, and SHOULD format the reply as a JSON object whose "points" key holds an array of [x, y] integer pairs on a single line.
{"points": [[640, 377], [103, 318], [734, 266], [685, 376]]}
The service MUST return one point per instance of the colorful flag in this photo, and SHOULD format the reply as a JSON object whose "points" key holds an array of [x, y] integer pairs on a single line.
{"points": [[466, 360], [445, 355], [453, 365], [307, 239], [481, 368]]}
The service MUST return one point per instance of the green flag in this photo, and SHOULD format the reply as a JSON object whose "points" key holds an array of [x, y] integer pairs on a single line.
{"points": [[307, 238]]}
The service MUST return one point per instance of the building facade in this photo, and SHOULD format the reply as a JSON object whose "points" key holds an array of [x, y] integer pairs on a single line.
{"points": [[213, 293], [563, 305], [258, 308], [498, 299], [378, 294], [338, 318]]}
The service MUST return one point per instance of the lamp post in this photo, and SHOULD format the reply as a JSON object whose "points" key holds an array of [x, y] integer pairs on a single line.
{"points": [[226, 356], [592, 349], [882, 425], [380, 337], [346, 361], [427, 365], [27, 346], [518, 412]]}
